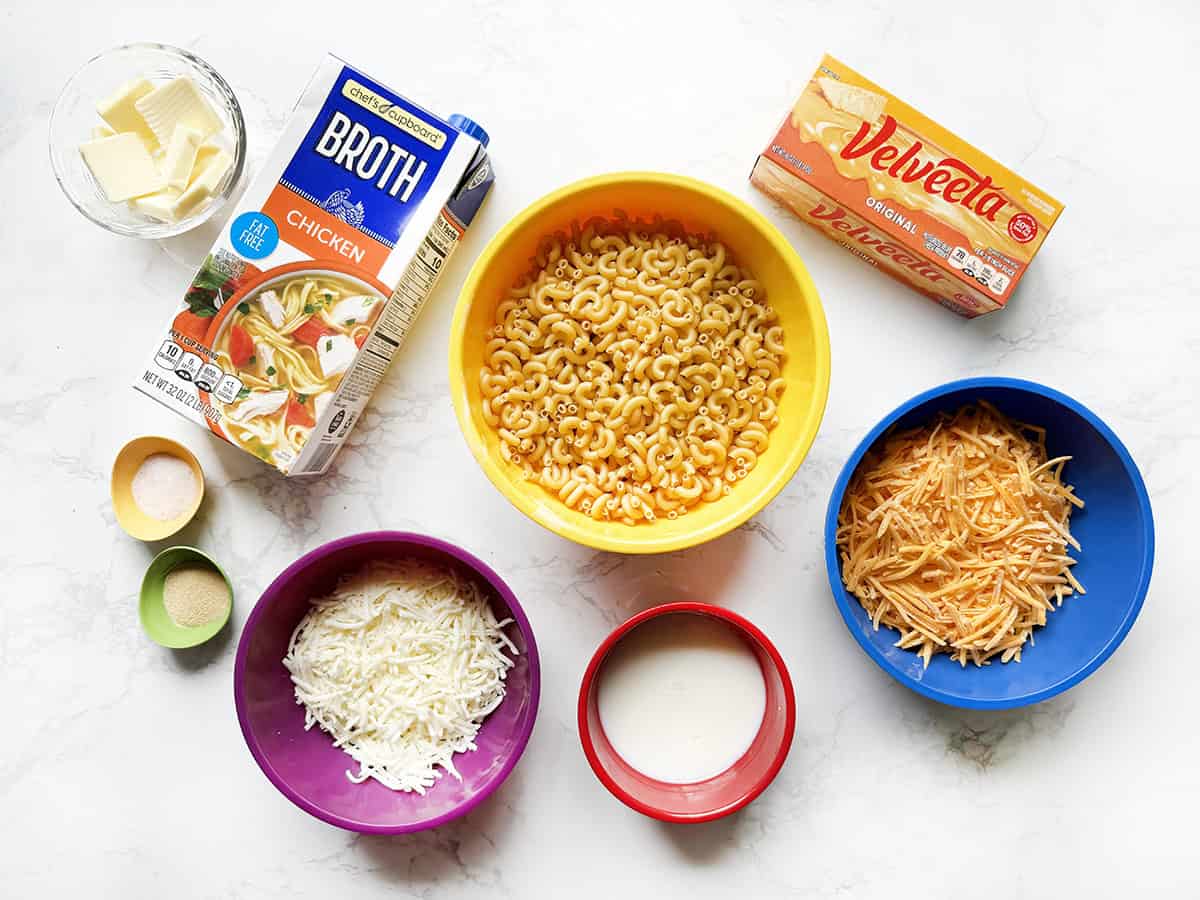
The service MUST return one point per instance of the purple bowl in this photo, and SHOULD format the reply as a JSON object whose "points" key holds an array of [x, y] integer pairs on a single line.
{"points": [[305, 765]]}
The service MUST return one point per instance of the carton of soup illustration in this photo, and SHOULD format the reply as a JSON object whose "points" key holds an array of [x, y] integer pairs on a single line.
{"points": [[288, 327], [904, 194]]}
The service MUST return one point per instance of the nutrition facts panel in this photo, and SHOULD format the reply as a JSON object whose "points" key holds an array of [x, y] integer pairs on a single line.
{"points": [[974, 267], [418, 280], [361, 381], [369, 367]]}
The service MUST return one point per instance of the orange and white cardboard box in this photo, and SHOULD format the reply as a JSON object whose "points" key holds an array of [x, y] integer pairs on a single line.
{"points": [[903, 193]]}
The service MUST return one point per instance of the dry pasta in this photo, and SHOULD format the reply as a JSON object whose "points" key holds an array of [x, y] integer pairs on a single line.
{"points": [[956, 534], [635, 373]]}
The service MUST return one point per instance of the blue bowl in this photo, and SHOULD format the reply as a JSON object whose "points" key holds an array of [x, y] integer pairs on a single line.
{"points": [[1115, 529]]}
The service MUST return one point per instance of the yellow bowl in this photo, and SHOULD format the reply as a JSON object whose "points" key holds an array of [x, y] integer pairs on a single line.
{"points": [[129, 515], [754, 242]]}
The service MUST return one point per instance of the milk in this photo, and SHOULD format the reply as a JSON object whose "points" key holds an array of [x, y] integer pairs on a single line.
{"points": [[681, 697]]}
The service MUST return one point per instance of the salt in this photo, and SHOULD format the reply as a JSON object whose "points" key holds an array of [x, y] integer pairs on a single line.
{"points": [[164, 486]]}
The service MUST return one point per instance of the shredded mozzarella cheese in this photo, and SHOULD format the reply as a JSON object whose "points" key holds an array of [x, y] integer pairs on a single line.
{"points": [[400, 665]]}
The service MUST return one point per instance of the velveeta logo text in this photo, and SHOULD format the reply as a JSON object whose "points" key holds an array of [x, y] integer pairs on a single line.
{"points": [[950, 178], [856, 235]]}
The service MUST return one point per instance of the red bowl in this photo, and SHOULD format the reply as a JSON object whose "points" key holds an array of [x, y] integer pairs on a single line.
{"points": [[722, 794]]}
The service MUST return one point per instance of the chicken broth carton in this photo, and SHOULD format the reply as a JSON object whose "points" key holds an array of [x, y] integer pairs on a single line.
{"points": [[290, 324], [904, 194]]}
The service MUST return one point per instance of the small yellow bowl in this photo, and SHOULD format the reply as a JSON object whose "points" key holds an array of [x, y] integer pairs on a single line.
{"points": [[754, 242], [129, 515]]}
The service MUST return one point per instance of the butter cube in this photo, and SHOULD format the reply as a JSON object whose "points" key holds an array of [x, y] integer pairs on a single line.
{"points": [[207, 175], [101, 131], [181, 156], [191, 200], [119, 110], [178, 102], [122, 166], [208, 150], [160, 205], [210, 170]]}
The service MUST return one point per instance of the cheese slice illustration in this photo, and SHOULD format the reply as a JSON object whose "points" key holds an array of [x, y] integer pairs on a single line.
{"points": [[867, 105]]}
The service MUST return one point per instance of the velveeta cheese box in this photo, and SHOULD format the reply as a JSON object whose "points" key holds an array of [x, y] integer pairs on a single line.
{"points": [[904, 194], [282, 336]]}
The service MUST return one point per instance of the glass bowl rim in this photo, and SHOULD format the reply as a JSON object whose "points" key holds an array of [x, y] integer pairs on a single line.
{"points": [[164, 229]]}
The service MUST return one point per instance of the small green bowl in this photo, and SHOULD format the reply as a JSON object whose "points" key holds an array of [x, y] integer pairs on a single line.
{"points": [[155, 621]]}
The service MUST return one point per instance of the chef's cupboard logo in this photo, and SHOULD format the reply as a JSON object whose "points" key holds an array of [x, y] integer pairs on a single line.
{"points": [[387, 109], [950, 178]]}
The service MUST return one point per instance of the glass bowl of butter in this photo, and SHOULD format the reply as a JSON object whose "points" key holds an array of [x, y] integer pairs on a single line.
{"points": [[147, 140]]}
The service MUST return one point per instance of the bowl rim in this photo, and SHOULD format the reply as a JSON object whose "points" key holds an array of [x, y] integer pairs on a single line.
{"points": [[162, 230], [176, 449], [643, 541], [847, 605], [615, 636], [398, 537]]}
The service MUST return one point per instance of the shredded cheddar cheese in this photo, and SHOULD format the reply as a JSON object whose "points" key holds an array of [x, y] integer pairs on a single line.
{"points": [[956, 534]]}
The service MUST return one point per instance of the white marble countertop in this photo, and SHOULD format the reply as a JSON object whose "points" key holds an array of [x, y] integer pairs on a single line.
{"points": [[122, 769]]}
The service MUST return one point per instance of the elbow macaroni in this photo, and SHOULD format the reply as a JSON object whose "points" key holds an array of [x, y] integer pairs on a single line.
{"points": [[633, 374]]}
